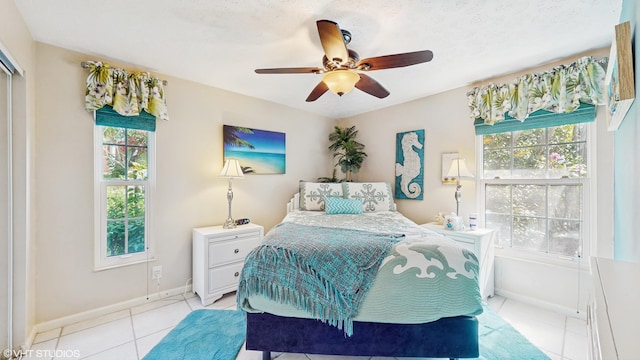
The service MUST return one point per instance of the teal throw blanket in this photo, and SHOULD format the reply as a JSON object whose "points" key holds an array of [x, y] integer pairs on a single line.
{"points": [[325, 272]]}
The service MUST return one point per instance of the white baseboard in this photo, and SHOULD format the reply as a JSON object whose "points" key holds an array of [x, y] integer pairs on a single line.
{"points": [[543, 304], [93, 313]]}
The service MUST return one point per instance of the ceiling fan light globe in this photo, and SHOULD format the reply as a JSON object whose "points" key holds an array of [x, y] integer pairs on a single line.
{"points": [[341, 82]]}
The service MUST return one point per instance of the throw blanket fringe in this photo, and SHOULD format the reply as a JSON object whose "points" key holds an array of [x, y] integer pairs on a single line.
{"points": [[325, 272]]}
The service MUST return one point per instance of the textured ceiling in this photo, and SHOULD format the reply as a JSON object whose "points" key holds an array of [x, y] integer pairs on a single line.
{"points": [[220, 43]]}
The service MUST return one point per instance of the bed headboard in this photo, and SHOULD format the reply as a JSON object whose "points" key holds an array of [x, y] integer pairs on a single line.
{"points": [[294, 203]]}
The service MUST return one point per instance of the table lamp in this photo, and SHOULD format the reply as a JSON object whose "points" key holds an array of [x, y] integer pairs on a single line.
{"points": [[458, 170], [231, 170]]}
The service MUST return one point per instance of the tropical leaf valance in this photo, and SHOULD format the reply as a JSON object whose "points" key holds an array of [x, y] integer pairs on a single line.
{"points": [[127, 92], [560, 90]]}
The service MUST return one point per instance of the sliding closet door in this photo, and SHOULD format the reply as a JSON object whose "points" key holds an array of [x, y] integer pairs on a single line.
{"points": [[4, 207]]}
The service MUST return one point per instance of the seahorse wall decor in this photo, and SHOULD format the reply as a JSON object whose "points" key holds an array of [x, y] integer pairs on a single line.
{"points": [[409, 165]]}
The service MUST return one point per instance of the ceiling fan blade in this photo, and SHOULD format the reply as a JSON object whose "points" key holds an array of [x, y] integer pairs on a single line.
{"points": [[394, 61], [372, 87], [296, 70], [332, 41], [317, 91]]}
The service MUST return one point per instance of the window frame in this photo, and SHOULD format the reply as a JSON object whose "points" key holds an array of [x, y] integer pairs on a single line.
{"points": [[101, 260], [587, 229]]}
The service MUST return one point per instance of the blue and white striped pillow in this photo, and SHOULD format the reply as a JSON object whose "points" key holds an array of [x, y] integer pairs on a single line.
{"points": [[334, 205]]}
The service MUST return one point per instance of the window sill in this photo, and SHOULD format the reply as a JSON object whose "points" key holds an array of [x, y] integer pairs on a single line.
{"points": [[122, 263], [540, 258]]}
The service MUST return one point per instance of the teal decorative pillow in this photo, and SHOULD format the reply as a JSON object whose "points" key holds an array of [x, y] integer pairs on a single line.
{"points": [[333, 205], [375, 196], [312, 194]]}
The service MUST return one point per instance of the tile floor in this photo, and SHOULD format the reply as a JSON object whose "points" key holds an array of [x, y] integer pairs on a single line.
{"points": [[130, 334]]}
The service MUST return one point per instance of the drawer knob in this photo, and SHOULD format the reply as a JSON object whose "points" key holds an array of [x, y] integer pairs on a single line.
{"points": [[236, 251], [236, 274]]}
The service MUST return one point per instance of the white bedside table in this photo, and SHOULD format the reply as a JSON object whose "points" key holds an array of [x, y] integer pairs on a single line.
{"points": [[218, 258], [480, 241]]}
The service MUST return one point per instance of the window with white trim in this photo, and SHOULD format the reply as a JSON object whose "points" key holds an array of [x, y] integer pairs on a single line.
{"points": [[534, 184], [124, 189]]}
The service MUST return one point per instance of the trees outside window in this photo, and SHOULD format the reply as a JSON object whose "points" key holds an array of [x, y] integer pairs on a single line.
{"points": [[533, 183], [123, 156]]}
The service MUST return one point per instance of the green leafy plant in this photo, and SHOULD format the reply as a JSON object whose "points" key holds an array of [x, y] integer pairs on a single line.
{"points": [[349, 153]]}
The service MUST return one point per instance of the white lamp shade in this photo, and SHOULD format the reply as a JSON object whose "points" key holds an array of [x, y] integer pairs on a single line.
{"points": [[459, 169], [232, 169], [341, 82]]}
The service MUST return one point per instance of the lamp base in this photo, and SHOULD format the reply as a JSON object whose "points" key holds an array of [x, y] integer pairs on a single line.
{"points": [[229, 224]]}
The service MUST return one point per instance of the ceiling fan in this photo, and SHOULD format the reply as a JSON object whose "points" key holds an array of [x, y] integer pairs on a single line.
{"points": [[342, 67]]}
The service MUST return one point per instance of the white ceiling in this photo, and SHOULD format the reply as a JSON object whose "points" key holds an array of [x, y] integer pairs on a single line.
{"points": [[220, 43]]}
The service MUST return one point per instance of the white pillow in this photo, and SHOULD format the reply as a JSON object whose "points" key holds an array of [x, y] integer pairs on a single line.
{"points": [[312, 194], [375, 196]]}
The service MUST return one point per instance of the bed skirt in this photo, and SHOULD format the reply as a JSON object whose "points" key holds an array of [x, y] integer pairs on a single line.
{"points": [[454, 337]]}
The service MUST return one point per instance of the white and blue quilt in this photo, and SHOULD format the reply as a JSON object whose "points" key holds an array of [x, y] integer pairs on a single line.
{"points": [[394, 271]]}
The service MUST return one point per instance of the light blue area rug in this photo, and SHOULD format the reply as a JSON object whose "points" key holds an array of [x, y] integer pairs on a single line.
{"points": [[499, 340], [219, 334], [204, 335]]}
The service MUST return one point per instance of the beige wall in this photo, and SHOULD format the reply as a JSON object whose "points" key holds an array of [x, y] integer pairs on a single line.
{"points": [[189, 192], [16, 40]]}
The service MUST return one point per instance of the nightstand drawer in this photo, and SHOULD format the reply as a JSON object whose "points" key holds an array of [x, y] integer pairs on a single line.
{"points": [[218, 257], [224, 276], [229, 251]]}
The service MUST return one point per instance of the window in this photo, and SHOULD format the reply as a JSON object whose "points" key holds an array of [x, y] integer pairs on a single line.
{"points": [[535, 188], [124, 170]]}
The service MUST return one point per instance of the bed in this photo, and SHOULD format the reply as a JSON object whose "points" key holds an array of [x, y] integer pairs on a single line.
{"points": [[390, 287]]}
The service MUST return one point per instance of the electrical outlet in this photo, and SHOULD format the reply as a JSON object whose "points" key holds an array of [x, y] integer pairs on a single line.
{"points": [[156, 272]]}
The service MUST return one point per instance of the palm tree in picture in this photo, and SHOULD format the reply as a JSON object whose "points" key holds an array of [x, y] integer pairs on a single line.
{"points": [[230, 136]]}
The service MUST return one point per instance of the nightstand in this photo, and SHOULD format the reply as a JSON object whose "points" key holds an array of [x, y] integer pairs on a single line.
{"points": [[218, 258], [480, 241]]}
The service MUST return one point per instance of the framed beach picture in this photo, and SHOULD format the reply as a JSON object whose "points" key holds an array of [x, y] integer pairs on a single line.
{"points": [[619, 79], [259, 151]]}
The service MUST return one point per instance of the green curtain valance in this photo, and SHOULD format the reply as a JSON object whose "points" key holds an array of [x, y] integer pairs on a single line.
{"points": [[558, 91], [127, 93], [106, 116], [538, 119]]}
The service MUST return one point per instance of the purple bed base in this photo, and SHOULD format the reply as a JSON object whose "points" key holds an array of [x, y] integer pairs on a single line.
{"points": [[454, 337]]}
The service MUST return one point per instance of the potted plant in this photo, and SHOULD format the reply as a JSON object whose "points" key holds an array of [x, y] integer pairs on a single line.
{"points": [[349, 153]]}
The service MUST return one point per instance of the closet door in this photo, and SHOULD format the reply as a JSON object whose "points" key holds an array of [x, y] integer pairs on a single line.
{"points": [[4, 207]]}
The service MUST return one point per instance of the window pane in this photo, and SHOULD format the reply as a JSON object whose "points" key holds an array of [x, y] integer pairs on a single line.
{"points": [[136, 137], [567, 160], [528, 138], [529, 162], [136, 236], [497, 163], [497, 141], [529, 233], [498, 199], [115, 202], [113, 135], [135, 201], [137, 163], [564, 237], [568, 133], [115, 238], [114, 161], [502, 224], [565, 201], [529, 200]]}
